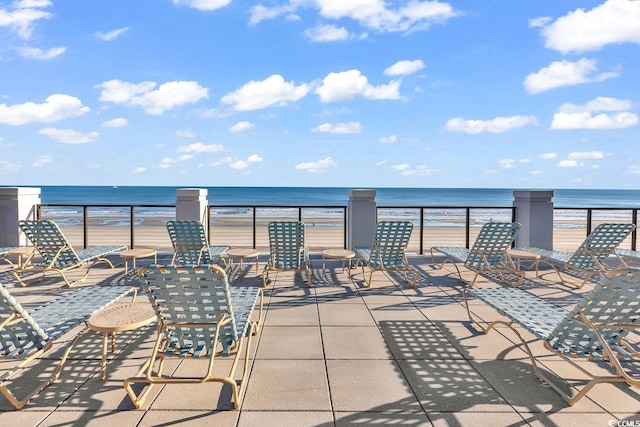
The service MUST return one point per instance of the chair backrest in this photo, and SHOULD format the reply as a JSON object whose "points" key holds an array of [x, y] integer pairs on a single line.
{"points": [[191, 295], [52, 245], [20, 331], [189, 242], [287, 246], [614, 301], [390, 243], [492, 243], [599, 244]]}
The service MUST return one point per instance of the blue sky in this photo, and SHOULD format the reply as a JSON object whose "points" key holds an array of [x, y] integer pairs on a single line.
{"points": [[349, 93]]}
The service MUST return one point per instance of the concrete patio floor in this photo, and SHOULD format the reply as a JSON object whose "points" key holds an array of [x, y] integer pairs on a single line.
{"points": [[335, 354]]}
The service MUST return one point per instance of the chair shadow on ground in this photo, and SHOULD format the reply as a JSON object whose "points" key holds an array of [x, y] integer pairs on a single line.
{"points": [[445, 381]]}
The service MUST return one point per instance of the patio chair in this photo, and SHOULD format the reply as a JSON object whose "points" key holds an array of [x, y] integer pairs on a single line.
{"points": [[199, 316], [594, 330], [488, 255], [29, 334], [287, 249], [191, 246], [58, 255], [591, 256], [388, 251]]}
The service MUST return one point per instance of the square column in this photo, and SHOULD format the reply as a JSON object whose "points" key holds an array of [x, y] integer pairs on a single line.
{"points": [[191, 204], [361, 218], [16, 203], [534, 210]]}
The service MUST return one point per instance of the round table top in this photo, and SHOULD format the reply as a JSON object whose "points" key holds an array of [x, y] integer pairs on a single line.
{"points": [[243, 253], [519, 253], [22, 250], [338, 253], [122, 317], [138, 253]]}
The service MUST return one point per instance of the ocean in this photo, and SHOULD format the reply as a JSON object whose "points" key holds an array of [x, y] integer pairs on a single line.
{"points": [[231, 202], [331, 196]]}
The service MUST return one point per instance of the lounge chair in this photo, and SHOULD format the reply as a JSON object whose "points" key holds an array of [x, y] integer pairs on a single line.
{"points": [[488, 255], [191, 246], [287, 249], [30, 334], [199, 316], [591, 256], [594, 330], [388, 251], [58, 255]]}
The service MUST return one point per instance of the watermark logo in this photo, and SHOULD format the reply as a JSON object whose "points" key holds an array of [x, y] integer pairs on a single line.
{"points": [[624, 423]]}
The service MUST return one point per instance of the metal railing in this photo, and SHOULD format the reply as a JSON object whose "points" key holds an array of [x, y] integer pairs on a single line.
{"points": [[246, 225]]}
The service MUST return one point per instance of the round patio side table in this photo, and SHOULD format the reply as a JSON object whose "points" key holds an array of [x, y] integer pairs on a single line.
{"points": [[344, 255]]}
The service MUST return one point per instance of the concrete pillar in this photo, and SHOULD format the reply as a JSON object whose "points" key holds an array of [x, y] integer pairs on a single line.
{"points": [[534, 211], [361, 218], [191, 204], [16, 203]]}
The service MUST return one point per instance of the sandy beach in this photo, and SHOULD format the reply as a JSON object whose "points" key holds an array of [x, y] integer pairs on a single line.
{"points": [[322, 233]]}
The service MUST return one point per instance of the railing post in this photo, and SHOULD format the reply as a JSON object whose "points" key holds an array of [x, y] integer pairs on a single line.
{"points": [[534, 211], [16, 203], [361, 218]]}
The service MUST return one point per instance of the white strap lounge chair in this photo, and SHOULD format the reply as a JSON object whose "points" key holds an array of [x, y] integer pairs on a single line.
{"points": [[287, 249], [595, 256], [488, 255], [199, 316], [191, 246], [58, 255], [28, 334], [388, 251], [594, 330]]}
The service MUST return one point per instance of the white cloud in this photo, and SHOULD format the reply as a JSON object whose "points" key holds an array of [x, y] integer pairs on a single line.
{"points": [[41, 55], [21, 16], [565, 121], [405, 67], [327, 33], [612, 22], [372, 14], [507, 163], [241, 127], [339, 128], [320, 166], [199, 147], [185, 133], [539, 22], [580, 155], [242, 164], [406, 169], [536, 172], [273, 91], [9, 167], [167, 162], [42, 160], [139, 169], [116, 123], [56, 107], [565, 73], [111, 35], [389, 139], [348, 85], [573, 116], [381, 163], [548, 156], [497, 125], [202, 4], [634, 169], [569, 164], [69, 136], [154, 101], [601, 103]]}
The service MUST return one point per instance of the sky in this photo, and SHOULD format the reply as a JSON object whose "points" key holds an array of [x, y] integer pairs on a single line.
{"points": [[339, 93]]}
